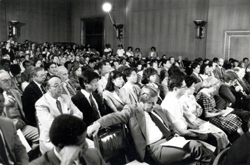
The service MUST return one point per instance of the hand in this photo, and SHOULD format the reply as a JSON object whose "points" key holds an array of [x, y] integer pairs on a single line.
{"points": [[194, 126], [20, 124], [93, 129], [9, 101], [69, 154]]}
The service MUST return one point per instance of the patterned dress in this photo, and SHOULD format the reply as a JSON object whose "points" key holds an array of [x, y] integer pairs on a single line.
{"points": [[229, 123]]}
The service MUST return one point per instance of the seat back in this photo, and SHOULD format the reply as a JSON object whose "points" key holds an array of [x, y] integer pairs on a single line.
{"points": [[111, 143], [221, 157]]}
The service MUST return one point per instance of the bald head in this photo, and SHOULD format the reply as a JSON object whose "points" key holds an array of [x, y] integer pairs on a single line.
{"points": [[54, 86], [62, 72]]}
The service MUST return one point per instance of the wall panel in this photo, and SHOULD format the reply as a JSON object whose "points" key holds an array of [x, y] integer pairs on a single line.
{"points": [[224, 16], [42, 20]]}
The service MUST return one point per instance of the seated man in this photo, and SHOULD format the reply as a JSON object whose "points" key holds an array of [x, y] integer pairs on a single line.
{"points": [[32, 93], [14, 109], [239, 151], [52, 104], [11, 149], [149, 129], [68, 87], [174, 111], [68, 134], [89, 103], [130, 91]]}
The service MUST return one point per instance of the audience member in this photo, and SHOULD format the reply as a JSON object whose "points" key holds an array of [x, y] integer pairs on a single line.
{"points": [[12, 150], [88, 102], [130, 91], [53, 103], [239, 153], [68, 134], [152, 54], [68, 87], [196, 72], [104, 79], [148, 127], [14, 109], [51, 70], [32, 93], [27, 77], [219, 71], [229, 123], [111, 94]]}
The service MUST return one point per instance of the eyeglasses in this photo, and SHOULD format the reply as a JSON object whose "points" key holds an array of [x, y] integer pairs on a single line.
{"points": [[6, 80], [57, 85]]}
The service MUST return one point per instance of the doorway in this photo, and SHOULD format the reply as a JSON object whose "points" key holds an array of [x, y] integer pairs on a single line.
{"points": [[92, 33]]}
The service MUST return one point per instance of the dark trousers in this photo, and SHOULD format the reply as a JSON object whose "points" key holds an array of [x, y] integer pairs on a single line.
{"points": [[193, 151]]}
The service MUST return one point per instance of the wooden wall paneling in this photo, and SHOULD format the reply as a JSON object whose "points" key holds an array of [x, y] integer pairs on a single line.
{"points": [[3, 24], [225, 15]]}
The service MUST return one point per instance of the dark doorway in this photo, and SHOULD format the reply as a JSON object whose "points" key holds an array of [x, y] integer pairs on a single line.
{"points": [[92, 32]]}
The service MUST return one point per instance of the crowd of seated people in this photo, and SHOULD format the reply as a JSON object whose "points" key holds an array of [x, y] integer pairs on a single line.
{"points": [[159, 99]]}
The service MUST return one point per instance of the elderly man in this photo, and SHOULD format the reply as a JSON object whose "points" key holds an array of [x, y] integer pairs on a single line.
{"points": [[11, 148], [68, 87], [14, 108], [32, 93], [52, 104]]}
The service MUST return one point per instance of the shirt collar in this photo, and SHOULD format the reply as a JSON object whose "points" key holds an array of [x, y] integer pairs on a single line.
{"points": [[38, 84], [57, 154], [129, 85], [85, 93]]}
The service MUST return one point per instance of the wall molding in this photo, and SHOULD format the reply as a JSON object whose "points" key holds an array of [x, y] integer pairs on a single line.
{"points": [[227, 41]]}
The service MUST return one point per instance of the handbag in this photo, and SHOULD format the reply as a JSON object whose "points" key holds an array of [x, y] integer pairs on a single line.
{"points": [[111, 142]]}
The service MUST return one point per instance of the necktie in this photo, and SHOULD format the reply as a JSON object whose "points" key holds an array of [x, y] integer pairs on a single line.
{"points": [[135, 91], [71, 92], [3, 154], [59, 106], [200, 77], [95, 110], [43, 89], [163, 128]]}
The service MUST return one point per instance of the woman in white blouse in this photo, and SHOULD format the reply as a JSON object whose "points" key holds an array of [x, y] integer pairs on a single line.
{"points": [[111, 94]]}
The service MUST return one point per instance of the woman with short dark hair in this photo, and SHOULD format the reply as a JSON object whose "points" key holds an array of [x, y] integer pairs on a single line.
{"points": [[111, 94]]}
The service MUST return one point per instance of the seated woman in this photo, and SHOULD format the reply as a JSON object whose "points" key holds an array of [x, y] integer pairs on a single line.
{"points": [[230, 123], [149, 77], [206, 71], [74, 74], [192, 111], [111, 93], [247, 74]]}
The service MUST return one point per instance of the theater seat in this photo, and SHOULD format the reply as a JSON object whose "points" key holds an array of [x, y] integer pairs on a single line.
{"points": [[221, 157], [112, 143]]}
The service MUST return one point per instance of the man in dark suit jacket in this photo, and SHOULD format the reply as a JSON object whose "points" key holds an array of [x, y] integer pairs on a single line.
{"points": [[239, 151], [70, 144], [219, 71], [12, 145], [145, 134], [86, 100], [32, 93]]}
